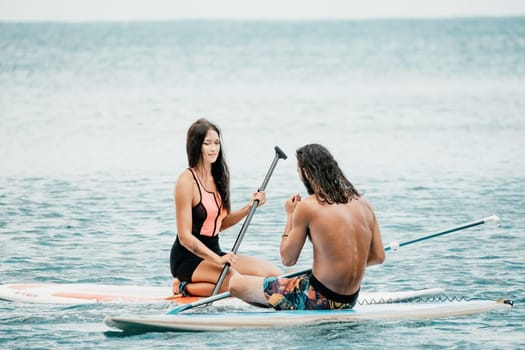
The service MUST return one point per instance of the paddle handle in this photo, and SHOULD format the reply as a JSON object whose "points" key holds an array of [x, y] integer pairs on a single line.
{"points": [[279, 154]]}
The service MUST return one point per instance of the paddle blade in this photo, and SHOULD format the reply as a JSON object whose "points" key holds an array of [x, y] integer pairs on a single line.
{"points": [[178, 309], [201, 302], [493, 219]]}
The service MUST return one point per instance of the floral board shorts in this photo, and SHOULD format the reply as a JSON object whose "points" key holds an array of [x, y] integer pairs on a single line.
{"points": [[304, 292]]}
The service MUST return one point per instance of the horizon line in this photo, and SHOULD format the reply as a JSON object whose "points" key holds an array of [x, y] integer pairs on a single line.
{"points": [[259, 19]]}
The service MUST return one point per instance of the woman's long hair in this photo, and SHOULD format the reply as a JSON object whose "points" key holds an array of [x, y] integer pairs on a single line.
{"points": [[322, 176], [219, 170]]}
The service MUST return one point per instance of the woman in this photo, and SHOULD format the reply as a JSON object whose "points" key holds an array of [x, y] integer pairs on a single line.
{"points": [[203, 209]]}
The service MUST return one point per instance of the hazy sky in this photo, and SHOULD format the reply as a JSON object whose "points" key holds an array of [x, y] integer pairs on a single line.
{"points": [[74, 10]]}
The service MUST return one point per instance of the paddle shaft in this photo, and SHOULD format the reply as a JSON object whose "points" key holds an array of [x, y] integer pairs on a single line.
{"points": [[279, 154], [397, 245], [225, 295]]}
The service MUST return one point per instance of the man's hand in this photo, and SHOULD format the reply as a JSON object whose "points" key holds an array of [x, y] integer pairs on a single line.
{"points": [[291, 203]]}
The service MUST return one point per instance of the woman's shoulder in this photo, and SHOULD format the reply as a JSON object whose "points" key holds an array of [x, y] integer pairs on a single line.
{"points": [[186, 176]]}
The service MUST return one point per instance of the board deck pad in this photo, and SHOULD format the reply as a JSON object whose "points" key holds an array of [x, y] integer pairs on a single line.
{"points": [[82, 293], [223, 321]]}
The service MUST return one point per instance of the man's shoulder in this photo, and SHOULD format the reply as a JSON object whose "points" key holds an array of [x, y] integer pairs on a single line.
{"points": [[307, 204], [365, 207], [311, 200]]}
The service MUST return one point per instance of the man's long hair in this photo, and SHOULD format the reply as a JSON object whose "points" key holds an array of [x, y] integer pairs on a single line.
{"points": [[219, 170], [322, 176]]}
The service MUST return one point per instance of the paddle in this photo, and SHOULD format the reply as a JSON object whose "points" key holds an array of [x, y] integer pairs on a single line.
{"points": [[392, 246], [396, 245], [279, 154]]}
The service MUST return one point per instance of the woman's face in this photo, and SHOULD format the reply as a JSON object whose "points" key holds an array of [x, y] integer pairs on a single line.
{"points": [[211, 146]]}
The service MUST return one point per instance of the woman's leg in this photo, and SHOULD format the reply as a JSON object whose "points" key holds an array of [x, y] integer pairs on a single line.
{"points": [[206, 274], [248, 265], [205, 277]]}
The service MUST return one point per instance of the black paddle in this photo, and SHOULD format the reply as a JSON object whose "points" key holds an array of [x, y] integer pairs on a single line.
{"points": [[392, 246], [279, 154]]}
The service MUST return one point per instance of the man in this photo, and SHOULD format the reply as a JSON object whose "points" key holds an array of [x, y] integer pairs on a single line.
{"points": [[344, 233]]}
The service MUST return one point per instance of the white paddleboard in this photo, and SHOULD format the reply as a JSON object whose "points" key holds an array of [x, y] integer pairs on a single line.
{"points": [[82, 293], [77, 294], [223, 321]]}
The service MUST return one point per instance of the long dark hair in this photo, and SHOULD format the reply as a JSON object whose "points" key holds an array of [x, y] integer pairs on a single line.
{"points": [[219, 170], [322, 176]]}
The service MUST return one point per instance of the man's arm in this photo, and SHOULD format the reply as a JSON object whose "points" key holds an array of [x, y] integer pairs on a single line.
{"points": [[294, 235], [377, 250]]}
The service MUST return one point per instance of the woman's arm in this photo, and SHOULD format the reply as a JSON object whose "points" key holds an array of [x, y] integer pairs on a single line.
{"points": [[235, 216]]}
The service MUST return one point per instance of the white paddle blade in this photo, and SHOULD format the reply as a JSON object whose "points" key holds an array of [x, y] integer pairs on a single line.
{"points": [[493, 219], [394, 245]]}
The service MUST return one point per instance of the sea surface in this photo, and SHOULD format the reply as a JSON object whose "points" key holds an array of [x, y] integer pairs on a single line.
{"points": [[426, 117]]}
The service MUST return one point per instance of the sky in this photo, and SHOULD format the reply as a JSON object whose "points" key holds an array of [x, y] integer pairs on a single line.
{"points": [[130, 10]]}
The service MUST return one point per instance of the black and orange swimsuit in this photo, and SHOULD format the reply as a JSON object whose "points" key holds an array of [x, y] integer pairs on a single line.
{"points": [[207, 218]]}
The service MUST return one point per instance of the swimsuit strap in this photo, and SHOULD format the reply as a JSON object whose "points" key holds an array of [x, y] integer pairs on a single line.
{"points": [[211, 210], [198, 184], [216, 196]]}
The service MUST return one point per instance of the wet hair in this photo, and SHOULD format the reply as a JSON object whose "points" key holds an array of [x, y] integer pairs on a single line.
{"points": [[219, 169], [322, 176]]}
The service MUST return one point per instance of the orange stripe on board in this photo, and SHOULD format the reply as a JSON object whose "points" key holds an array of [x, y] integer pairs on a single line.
{"points": [[102, 297], [27, 286]]}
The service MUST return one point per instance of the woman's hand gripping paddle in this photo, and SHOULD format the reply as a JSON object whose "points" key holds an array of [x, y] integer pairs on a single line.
{"points": [[279, 154]]}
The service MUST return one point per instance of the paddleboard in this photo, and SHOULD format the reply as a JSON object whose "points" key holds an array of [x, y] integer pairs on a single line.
{"points": [[79, 293], [85, 293], [223, 321]]}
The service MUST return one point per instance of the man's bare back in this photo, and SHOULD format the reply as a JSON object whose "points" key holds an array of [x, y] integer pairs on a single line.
{"points": [[343, 242], [344, 233]]}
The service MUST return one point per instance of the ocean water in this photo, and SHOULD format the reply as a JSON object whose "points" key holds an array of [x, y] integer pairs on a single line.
{"points": [[426, 117]]}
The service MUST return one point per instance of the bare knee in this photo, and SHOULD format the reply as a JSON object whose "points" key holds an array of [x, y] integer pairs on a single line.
{"points": [[235, 282], [249, 289]]}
